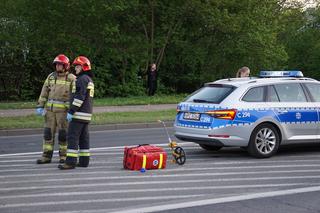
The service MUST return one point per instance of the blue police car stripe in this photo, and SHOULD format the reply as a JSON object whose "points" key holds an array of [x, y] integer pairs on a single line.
{"points": [[293, 115]]}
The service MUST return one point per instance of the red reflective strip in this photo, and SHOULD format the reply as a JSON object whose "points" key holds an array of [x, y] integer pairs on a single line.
{"points": [[219, 136]]}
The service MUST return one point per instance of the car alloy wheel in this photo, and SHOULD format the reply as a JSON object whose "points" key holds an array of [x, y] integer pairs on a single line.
{"points": [[264, 141]]}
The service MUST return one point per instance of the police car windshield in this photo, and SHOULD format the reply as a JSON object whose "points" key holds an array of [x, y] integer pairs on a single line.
{"points": [[211, 93]]}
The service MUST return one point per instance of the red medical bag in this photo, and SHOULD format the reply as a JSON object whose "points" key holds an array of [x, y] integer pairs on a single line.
{"points": [[144, 156]]}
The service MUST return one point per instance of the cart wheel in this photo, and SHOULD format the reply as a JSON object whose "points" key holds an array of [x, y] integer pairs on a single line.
{"points": [[179, 155]]}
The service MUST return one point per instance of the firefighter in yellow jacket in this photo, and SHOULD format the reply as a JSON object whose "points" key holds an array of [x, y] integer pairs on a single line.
{"points": [[53, 104]]}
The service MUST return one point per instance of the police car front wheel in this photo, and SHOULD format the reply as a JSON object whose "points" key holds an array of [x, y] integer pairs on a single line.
{"points": [[264, 141]]}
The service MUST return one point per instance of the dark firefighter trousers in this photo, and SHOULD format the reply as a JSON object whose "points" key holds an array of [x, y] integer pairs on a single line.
{"points": [[78, 144]]}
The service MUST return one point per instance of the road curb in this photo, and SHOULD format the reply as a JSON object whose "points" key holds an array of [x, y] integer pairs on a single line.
{"points": [[19, 132]]}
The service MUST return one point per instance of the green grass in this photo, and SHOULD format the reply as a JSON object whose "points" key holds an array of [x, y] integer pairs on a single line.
{"points": [[17, 105], [139, 100], [33, 121]]}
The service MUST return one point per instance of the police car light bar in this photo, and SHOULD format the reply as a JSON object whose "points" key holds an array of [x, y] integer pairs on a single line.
{"points": [[277, 74]]}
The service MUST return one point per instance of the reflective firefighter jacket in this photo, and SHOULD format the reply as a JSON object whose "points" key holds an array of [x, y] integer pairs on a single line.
{"points": [[56, 91], [81, 100]]}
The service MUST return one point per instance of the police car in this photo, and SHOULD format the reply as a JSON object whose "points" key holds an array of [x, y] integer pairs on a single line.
{"points": [[259, 114]]}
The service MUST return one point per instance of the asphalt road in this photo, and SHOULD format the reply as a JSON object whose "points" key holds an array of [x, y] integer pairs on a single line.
{"points": [[224, 181]]}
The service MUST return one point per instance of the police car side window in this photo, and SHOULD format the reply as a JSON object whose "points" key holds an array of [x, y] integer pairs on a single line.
{"points": [[255, 94], [290, 92], [314, 91], [272, 95]]}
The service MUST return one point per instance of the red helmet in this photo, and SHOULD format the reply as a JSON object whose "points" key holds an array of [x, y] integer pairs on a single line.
{"points": [[83, 61], [62, 59]]}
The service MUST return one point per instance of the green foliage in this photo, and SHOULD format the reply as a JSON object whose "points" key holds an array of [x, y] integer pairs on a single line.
{"points": [[302, 40], [192, 42], [113, 101]]}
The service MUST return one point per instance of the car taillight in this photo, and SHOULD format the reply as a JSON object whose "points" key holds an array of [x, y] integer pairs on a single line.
{"points": [[228, 114]]}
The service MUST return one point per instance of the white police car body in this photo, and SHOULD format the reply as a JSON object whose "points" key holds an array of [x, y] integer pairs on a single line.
{"points": [[257, 113]]}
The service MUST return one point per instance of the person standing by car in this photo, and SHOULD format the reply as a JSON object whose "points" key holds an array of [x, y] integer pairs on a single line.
{"points": [[53, 104], [243, 72], [79, 116], [152, 79]]}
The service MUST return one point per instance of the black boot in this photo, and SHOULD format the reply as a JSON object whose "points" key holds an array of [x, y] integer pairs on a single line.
{"points": [[66, 166], [43, 160]]}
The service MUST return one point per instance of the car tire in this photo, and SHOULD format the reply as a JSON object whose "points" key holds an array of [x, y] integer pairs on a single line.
{"points": [[264, 141], [210, 147]]}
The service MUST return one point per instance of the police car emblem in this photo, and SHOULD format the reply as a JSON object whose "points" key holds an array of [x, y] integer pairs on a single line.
{"points": [[155, 162], [298, 115]]}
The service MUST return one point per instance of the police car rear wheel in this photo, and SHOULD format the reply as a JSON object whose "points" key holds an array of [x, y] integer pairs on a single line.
{"points": [[209, 147], [264, 141]]}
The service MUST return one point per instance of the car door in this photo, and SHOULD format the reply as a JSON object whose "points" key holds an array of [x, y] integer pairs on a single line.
{"points": [[297, 114], [314, 92]]}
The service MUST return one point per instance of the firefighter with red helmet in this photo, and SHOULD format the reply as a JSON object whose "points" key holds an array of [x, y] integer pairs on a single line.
{"points": [[53, 104], [79, 115]]}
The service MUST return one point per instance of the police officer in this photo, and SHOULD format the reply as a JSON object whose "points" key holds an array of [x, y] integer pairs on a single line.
{"points": [[79, 116], [53, 103], [243, 72]]}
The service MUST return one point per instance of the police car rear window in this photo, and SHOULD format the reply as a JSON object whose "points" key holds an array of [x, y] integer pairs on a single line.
{"points": [[211, 93], [254, 95]]}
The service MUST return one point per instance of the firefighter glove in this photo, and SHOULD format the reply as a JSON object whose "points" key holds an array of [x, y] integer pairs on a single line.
{"points": [[40, 111], [69, 117]]}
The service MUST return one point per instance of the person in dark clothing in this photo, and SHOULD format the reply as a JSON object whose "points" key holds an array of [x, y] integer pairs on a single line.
{"points": [[79, 115], [152, 79]]}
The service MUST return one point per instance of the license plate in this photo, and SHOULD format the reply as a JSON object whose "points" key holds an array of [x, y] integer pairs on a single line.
{"points": [[191, 116]]}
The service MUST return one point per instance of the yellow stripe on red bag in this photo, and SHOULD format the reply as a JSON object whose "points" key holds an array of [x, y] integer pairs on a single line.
{"points": [[160, 161], [144, 161]]}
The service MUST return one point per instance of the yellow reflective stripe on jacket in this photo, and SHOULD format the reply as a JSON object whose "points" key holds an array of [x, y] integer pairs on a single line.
{"points": [[63, 82], [77, 102], [60, 82], [82, 116], [91, 88], [57, 105], [90, 85]]}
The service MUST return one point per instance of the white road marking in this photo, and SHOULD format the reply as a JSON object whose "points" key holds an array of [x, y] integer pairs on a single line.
{"points": [[212, 201], [91, 149], [70, 202], [152, 182], [119, 191], [159, 173], [189, 165]]}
